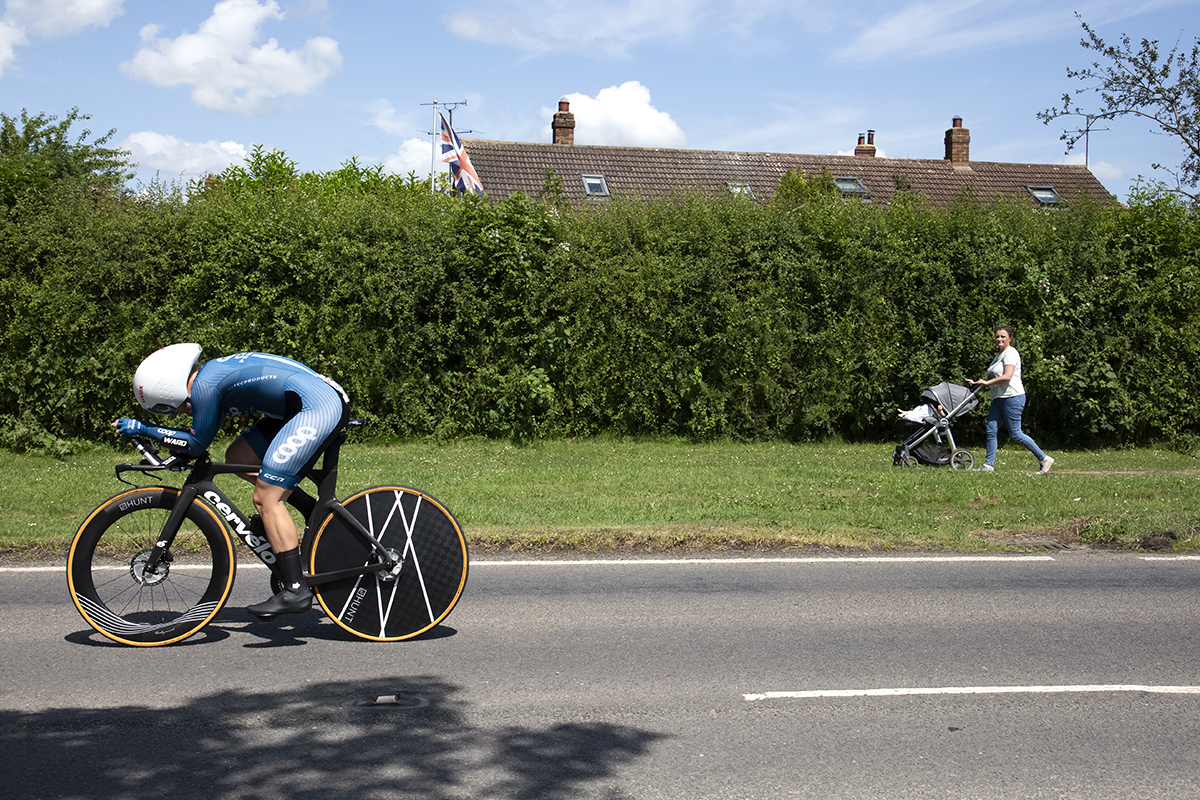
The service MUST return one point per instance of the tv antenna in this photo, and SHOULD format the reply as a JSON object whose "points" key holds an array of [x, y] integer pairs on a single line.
{"points": [[1087, 130]]}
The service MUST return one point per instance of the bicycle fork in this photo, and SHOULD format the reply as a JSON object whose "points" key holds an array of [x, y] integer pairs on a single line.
{"points": [[162, 545]]}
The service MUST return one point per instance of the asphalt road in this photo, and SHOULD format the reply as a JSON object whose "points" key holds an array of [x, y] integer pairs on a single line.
{"points": [[1024, 677]]}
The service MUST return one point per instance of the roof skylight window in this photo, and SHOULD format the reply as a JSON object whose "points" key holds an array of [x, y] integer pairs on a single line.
{"points": [[740, 189], [1046, 195], [595, 186], [852, 187]]}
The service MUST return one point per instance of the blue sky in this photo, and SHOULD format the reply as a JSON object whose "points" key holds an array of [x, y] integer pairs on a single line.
{"points": [[192, 85]]}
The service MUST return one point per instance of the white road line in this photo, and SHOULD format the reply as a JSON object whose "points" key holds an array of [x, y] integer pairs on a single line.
{"points": [[633, 562], [638, 562], [587, 562], [63, 568], [1113, 687]]}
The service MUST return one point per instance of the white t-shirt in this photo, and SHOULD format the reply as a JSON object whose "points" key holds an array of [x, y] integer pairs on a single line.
{"points": [[1014, 387]]}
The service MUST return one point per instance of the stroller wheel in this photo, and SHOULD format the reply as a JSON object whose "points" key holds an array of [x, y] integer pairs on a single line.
{"points": [[900, 458], [962, 459]]}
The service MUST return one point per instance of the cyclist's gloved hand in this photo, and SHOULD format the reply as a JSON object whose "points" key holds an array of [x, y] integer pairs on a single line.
{"points": [[128, 428]]}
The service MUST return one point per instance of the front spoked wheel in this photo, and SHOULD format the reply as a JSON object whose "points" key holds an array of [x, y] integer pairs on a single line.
{"points": [[430, 572], [119, 597]]}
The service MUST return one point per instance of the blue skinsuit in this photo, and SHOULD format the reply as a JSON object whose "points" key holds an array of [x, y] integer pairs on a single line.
{"points": [[303, 409]]}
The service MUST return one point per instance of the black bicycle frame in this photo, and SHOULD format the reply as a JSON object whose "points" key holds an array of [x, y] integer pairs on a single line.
{"points": [[199, 484]]}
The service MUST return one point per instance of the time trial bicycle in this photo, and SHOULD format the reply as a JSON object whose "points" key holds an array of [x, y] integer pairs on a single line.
{"points": [[153, 565]]}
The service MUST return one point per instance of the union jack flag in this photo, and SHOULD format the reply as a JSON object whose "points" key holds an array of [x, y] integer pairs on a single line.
{"points": [[462, 174]]}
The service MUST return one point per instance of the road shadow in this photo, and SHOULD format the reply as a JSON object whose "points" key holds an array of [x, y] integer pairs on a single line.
{"points": [[398, 737], [290, 630]]}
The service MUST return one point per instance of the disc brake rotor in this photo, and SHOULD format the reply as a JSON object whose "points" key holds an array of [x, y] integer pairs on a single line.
{"points": [[137, 568]]}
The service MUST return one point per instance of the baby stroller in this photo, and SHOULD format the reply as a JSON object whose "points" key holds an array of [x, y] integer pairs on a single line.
{"points": [[943, 404]]}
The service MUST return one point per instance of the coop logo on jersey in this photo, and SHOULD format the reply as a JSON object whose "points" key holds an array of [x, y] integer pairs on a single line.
{"points": [[299, 439]]}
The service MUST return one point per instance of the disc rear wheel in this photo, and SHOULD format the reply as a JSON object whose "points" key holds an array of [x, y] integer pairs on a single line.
{"points": [[425, 581]]}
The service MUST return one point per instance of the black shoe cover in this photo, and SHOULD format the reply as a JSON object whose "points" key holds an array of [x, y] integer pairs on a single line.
{"points": [[285, 602]]}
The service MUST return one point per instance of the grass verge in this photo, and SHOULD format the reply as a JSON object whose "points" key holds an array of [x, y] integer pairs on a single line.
{"points": [[655, 496]]}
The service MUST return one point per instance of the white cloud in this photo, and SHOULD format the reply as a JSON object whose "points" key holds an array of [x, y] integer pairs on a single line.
{"points": [[1101, 169], [415, 155], [383, 115], [870, 30], [173, 156], [602, 26], [879, 152], [925, 29], [225, 69], [621, 115], [50, 19], [11, 37], [1105, 171]]}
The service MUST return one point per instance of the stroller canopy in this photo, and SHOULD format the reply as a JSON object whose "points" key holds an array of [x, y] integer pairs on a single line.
{"points": [[949, 396]]}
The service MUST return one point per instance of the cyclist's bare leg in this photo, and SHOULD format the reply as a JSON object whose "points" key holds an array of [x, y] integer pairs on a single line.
{"points": [[295, 596], [280, 530], [269, 500]]}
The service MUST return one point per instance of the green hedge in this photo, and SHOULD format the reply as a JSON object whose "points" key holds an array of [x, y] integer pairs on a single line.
{"points": [[448, 317]]}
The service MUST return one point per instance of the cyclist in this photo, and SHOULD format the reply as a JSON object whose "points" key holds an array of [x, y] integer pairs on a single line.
{"points": [[302, 412]]}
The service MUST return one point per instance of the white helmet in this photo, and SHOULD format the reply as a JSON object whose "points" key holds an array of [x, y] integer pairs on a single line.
{"points": [[161, 382]]}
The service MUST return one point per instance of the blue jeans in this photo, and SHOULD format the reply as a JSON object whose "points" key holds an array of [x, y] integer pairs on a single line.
{"points": [[1008, 409]]}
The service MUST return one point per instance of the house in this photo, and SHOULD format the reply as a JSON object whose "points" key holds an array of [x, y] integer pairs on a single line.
{"points": [[590, 171]]}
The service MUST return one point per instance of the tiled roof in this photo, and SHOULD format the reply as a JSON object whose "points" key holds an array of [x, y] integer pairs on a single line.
{"points": [[508, 167]]}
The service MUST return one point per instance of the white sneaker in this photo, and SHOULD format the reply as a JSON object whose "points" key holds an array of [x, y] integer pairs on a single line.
{"points": [[987, 468], [1046, 463]]}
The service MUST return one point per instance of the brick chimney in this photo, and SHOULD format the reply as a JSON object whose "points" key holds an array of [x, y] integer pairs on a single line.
{"points": [[958, 144], [866, 150], [563, 124]]}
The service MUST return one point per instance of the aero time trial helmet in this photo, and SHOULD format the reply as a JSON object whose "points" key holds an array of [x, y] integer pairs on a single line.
{"points": [[161, 382]]}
